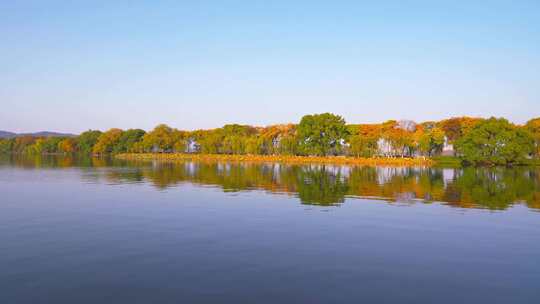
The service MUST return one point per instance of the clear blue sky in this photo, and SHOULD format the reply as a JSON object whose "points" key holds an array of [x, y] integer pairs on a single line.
{"points": [[74, 65]]}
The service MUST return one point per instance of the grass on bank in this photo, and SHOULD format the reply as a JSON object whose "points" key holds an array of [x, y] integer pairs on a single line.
{"points": [[375, 161], [437, 161], [453, 161]]}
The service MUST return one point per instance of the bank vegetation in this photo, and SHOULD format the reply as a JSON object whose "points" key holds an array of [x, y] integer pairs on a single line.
{"points": [[316, 138]]}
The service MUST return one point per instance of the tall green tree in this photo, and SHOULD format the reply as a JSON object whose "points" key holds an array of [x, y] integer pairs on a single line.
{"points": [[127, 140], [322, 134], [495, 142]]}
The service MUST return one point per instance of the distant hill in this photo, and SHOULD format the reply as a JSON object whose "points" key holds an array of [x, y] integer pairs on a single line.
{"points": [[6, 134]]}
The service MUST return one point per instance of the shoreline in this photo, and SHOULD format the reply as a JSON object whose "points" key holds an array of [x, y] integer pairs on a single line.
{"points": [[336, 160]]}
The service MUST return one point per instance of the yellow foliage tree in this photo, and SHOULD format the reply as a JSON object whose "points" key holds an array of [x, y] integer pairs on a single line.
{"points": [[106, 141], [67, 146]]}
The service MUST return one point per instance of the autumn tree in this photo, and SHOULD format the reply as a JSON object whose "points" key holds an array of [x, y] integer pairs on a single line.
{"points": [[402, 141], [37, 147], [430, 140], [269, 139], [21, 143], [363, 140], [67, 145], [107, 141], [400, 137], [278, 139], [457, 127], [476, 140], [180, 141], [161, 139]]}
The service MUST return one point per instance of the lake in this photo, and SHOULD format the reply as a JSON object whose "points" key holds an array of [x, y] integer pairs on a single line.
{"points": [[88, 230]]}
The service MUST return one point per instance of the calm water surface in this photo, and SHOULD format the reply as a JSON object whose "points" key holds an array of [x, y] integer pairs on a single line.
{"points": [[101, 231]]}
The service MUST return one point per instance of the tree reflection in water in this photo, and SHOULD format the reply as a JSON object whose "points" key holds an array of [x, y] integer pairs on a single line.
{"points": [[493, 188]]}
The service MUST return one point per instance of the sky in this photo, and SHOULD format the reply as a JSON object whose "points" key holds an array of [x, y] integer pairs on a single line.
{"points": [[70, 66]]}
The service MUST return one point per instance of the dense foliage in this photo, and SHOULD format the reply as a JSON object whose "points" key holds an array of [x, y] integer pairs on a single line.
{"points": [[533, 126], [496, 141], [475, 140], [322, 134]]}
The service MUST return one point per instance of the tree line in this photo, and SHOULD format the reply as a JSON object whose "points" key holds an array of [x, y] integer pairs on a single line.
{"points": [[474, 140]]}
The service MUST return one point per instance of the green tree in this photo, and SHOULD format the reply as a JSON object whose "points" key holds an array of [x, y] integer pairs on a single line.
{"points": [[238, 130], [254, 145], [319, 186], [180, 145], [6, 145], [50, 145], [322, 134], [235, 138], [210, 141], [87, 140], [495, 142], [288, 145], [38, 147], [431, 141], [533, 126], [127, 140], [234, 144]]}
